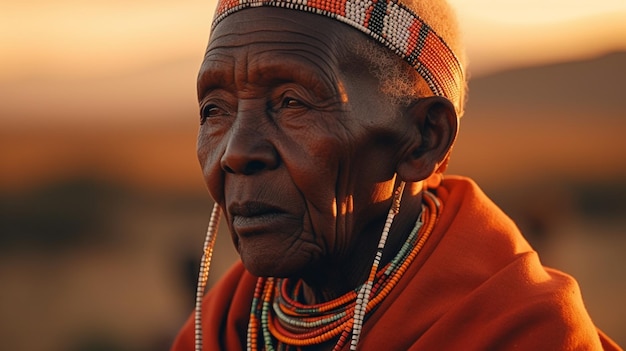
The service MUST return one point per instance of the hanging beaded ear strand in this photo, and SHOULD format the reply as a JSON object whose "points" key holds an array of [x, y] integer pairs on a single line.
{"points": [[203, 276], [366, 289]]}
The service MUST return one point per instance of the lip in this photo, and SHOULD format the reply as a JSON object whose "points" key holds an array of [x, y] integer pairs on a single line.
{"points": [[253, 217]]}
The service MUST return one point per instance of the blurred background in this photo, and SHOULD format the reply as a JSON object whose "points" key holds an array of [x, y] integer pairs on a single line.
{"points": [[103, 209]]}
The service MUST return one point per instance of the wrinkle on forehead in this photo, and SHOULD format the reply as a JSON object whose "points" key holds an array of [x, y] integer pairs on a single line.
{"points": [[316, 64], [274, 25], [268, 35], [262, 49], [267, 67], [277, 20]]}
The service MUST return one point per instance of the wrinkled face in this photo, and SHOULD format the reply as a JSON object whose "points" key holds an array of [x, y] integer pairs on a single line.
{"points": [[296, 143]]}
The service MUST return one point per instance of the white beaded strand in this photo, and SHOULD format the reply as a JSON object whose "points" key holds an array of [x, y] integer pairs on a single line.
{"points": [[203, 276], [366, 289]]}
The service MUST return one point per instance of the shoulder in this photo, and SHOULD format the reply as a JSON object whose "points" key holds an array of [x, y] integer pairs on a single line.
{"points": [[488, 286], [524, 306], [529, 306]]}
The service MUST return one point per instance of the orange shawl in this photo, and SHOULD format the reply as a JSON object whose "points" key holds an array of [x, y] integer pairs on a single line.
{"points": [[476, 285]]}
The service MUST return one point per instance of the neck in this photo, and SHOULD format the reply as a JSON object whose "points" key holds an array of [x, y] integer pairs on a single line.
{"points": [[337, 277]]}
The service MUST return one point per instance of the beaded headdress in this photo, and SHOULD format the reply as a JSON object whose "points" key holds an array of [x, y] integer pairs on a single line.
{"points": [[390, 23]]}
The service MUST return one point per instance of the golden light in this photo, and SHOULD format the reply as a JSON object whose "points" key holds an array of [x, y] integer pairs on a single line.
{"points": [[68, 39], [507, 34], [536, 12]]}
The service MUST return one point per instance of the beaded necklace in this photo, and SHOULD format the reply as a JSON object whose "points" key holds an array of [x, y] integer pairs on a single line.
{"points": [[279, 322]]}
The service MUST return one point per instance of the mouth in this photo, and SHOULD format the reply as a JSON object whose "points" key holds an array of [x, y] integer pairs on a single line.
{"points": [[253, 217]]}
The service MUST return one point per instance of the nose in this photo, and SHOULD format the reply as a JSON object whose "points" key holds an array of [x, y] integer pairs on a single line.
{"points": [[248, 152]]}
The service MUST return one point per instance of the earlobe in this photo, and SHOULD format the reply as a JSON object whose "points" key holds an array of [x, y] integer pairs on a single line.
{"points": [[435, 126]]}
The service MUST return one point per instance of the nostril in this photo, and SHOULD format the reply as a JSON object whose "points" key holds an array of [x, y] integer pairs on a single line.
{"points": [[254, 166], [248, 156]]}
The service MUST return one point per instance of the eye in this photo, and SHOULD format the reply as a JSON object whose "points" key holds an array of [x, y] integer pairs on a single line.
{"points": [[210, 111], [289, 102]]}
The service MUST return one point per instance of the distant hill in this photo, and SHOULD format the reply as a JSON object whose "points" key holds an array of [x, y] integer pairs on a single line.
{"points": [[592, 86], [563, 121]]}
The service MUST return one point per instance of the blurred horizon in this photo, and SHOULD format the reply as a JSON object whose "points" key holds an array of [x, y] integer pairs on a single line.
{"points": [[42, 149]]}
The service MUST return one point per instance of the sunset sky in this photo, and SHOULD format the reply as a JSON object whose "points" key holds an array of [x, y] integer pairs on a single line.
{"points": [[68, 38], [65, 47]]}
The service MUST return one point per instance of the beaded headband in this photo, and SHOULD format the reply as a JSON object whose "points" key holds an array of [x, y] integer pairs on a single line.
{"points": [[391, 24]]}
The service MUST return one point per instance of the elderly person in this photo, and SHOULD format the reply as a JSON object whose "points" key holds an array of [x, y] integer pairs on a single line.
{"points": [[325, 128]]}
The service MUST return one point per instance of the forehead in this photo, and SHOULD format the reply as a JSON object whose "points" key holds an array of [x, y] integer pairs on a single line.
{"points": [[261, 44], [278, 23], [274, 30]]}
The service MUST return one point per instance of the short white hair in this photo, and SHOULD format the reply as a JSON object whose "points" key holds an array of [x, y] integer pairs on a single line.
{"points": [[398, 80]]}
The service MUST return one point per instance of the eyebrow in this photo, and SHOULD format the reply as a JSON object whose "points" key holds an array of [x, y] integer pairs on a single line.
{"points": [[213, 73], [217, 71], [304, 67]]}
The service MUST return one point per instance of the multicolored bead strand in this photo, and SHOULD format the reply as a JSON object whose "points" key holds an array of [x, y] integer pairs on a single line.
{"points": [[366, 289], [205, 264]]}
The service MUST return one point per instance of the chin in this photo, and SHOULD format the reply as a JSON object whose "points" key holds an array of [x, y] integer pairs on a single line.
{"points": [[281, 267]]}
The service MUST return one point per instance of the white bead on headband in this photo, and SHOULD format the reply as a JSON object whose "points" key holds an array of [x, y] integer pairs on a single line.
{"points": [[388, 22]]}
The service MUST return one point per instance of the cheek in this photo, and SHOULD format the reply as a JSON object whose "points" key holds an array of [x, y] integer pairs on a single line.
{"points": [[381, 192], [314, 167], [209, 152], [375, 186]]}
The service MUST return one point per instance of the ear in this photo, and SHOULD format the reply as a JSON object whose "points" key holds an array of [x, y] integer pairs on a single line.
{"points": [[435, 126]]}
